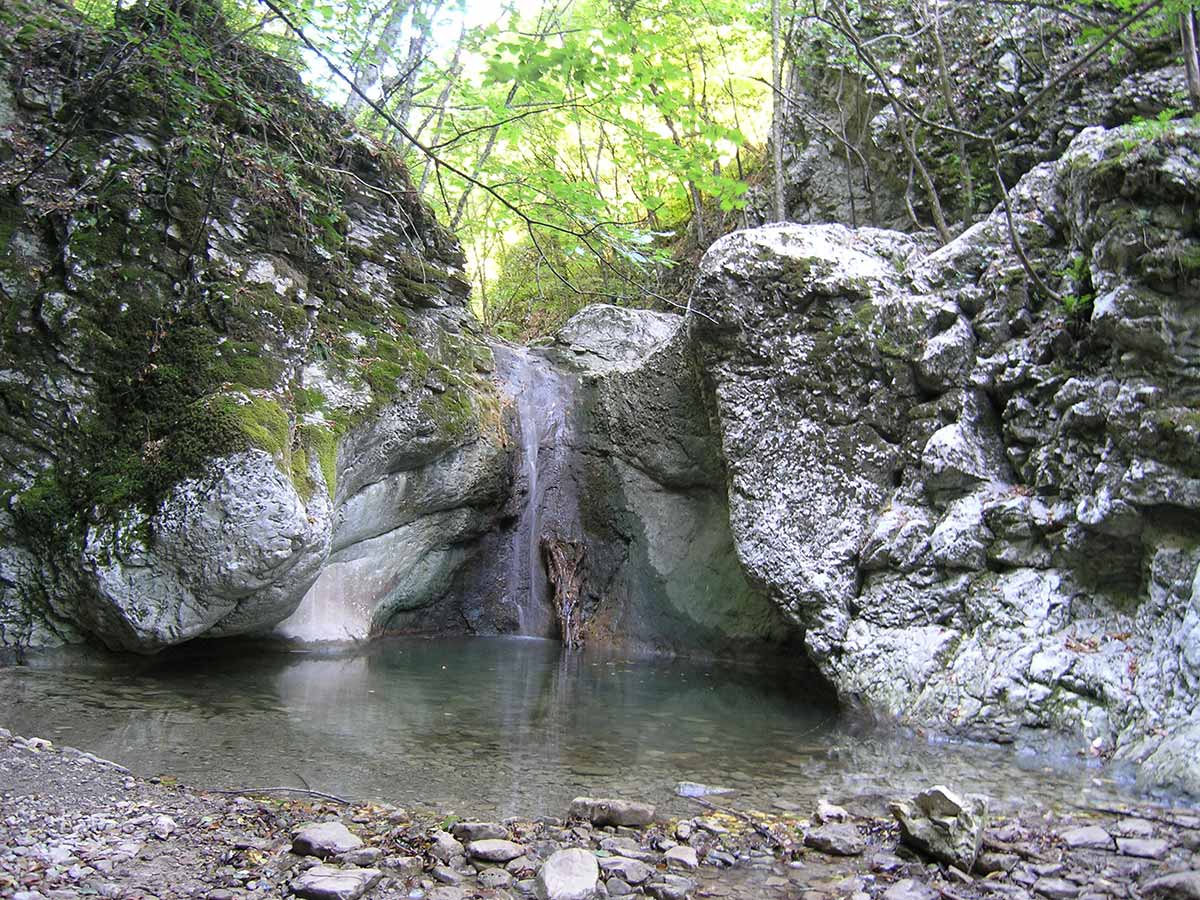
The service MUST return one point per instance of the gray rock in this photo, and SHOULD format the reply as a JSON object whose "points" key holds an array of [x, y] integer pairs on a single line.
{"points": [[494, 879], [601, 812], [495, 850], [571, 874], [479, 831], [324, 839], [669, 887], [1176, 886], [364, 856], [446, 875], [329, 883], [910, 889], [163, 827], [624, 846], [1089, 837], [616, 887], [941, 824], [681, 858], [829, 812], [1143, 848], [1056, 888], [445, 847], [836, 840], [632, 871]]}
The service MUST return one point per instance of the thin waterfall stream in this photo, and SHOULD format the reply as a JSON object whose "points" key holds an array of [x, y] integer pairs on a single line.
{"points": [[543, 398]]}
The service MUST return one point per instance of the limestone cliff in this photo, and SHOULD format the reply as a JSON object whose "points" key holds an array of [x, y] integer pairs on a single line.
{"points": [[234, 346], [980, 503]]}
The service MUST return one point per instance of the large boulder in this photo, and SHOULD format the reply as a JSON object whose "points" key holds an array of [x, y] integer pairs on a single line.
{"points": [[977, 502], [216, 390]]}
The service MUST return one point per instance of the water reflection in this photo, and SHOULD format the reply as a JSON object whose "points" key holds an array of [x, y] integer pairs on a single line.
{"points": [[501, 726]]}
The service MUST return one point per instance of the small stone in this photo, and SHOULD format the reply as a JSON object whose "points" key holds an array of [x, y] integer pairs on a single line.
{"points": [[683, 830], [219, 894], [446, 875], [446, 892], [1056, 888], [1089, 837], [1133, 827], [324, 839], [495, 878], [828, 812], [1177, 886], [910, 889], [444, 847], [670, 887], [618, 888], [479, 831], [632, 871], [623, 846], [329, 883], [681, 858], [28, 895], [163, 827], [568, 875], [406, 866], [836, 840], [520, 866], [1143, 848], [494, 850], [364, 856], [601, 812]]}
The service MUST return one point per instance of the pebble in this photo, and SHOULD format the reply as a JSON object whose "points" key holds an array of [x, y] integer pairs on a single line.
{"points": [[568, 875], [494, 850], [446, 875], [681, 858], [910, 889], [1056, 888], [494, 878], [479, 831], [632, 871], [324, 839], [1176, 886], [1089, 837], [836, 840], [1143, 848]]}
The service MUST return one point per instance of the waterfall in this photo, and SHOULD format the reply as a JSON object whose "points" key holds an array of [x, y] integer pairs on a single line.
{"points": [[543, 401]]}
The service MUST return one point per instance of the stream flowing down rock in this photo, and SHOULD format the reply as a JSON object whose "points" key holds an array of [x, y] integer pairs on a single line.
{"points": [[981, 506]]}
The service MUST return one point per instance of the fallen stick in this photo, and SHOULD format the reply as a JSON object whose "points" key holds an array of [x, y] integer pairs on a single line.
{"points": [[749, 820], [288, 790]]}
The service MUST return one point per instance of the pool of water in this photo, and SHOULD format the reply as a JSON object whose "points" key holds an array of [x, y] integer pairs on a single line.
{"points": [[503, 726]]}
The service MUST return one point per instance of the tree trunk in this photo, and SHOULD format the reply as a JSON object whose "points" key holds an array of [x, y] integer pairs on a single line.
{"points": [[778, 108], [1191, 58], [367, 73], [564, 566]]}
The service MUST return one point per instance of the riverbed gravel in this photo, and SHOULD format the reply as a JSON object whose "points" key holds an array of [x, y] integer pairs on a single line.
{"points": [[73, 825]]}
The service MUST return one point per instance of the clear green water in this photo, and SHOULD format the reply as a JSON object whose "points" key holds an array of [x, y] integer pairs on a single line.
{"points": [[501, 726]]}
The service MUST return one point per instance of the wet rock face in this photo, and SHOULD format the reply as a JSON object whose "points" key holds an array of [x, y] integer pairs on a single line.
{"points": [[213, 390], [661, 572], [981, 504]]}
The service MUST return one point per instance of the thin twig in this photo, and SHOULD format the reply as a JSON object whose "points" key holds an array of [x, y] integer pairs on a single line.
{"points": [[321, 795], [749, 820]]}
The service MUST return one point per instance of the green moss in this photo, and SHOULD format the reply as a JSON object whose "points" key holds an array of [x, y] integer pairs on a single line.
{"points": [[264, 422], [322, 441]]}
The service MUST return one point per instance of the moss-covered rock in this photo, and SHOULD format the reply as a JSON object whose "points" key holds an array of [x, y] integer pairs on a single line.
{"points": [[175, 272]]}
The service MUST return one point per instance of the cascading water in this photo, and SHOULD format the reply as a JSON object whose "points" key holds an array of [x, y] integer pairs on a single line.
{"points": [[543, 401]]}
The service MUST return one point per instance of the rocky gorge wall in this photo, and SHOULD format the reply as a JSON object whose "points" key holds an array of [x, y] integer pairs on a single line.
{"points": [[980, 503], [235, 360]]}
